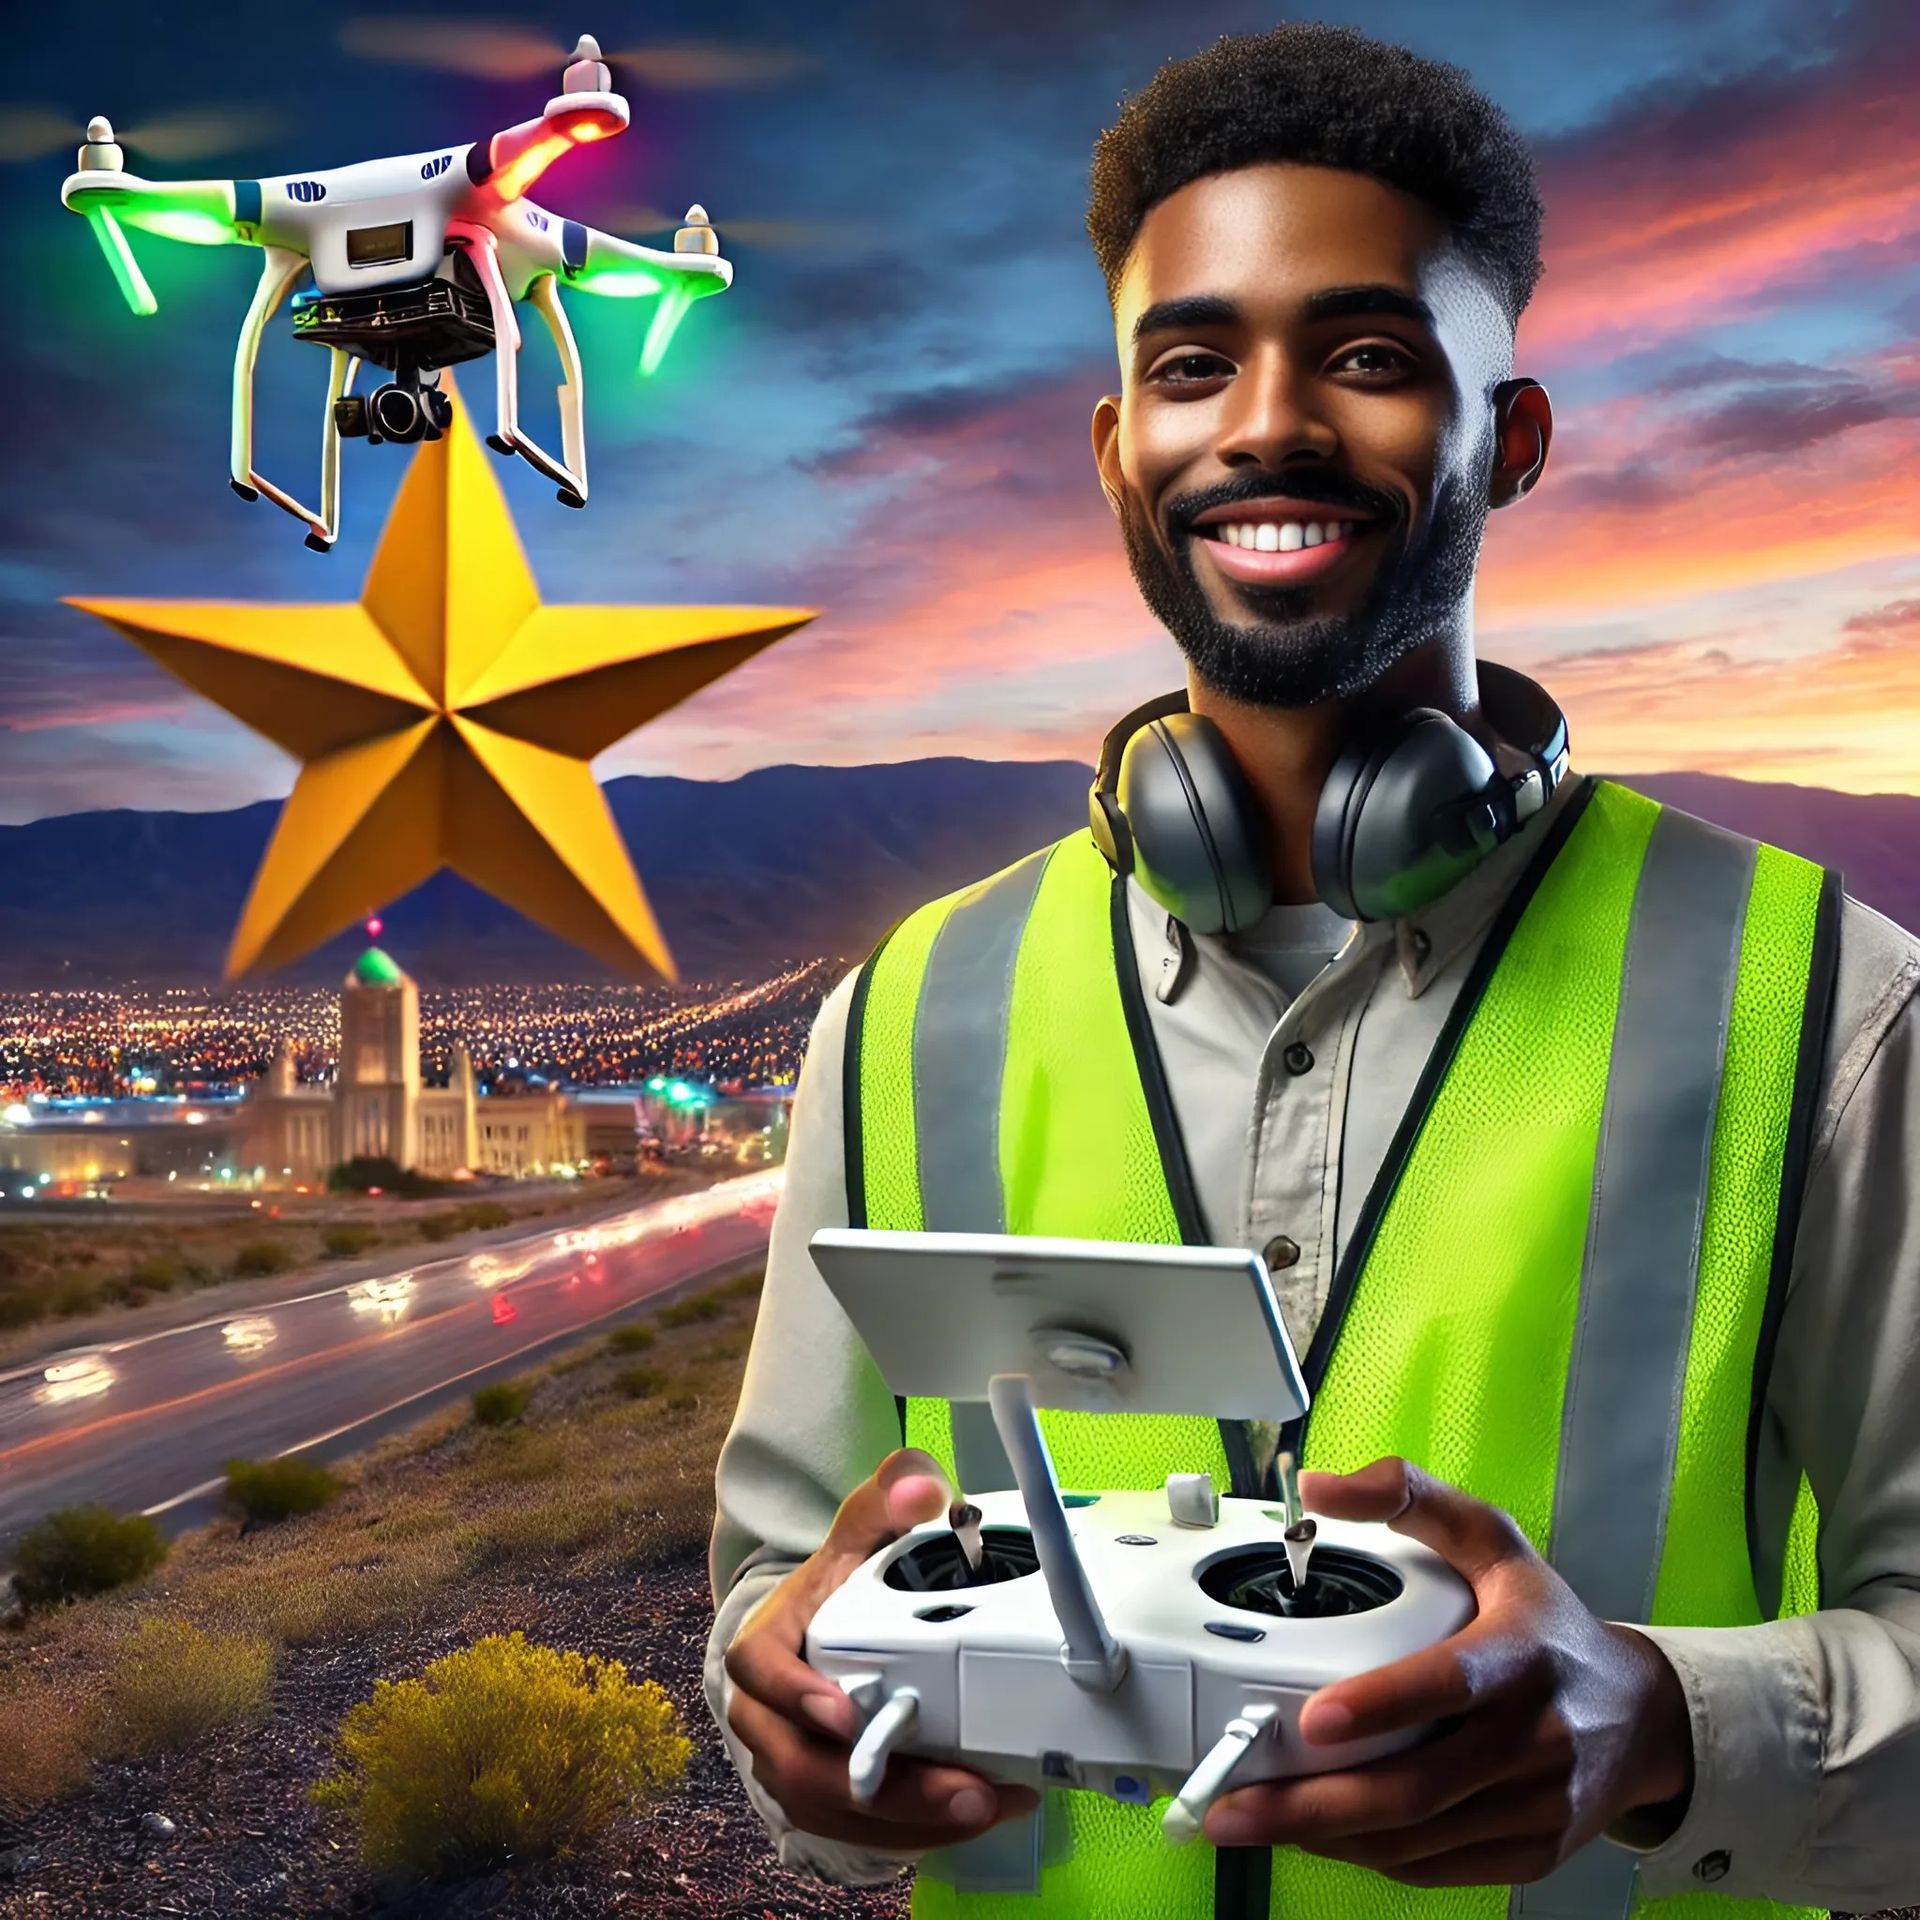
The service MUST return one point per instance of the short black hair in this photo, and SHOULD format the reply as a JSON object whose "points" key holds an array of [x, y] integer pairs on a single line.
{"points": [[1327, 96]]}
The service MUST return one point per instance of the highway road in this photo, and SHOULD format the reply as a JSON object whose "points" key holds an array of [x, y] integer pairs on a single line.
{"points": [[148, 1424]]}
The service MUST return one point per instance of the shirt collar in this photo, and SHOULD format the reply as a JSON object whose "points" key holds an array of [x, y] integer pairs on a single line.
{"points": [[1429, 939]]}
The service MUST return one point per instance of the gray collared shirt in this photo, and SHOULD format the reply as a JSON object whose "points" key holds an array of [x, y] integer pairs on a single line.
{"points": [[1806, 1731]]}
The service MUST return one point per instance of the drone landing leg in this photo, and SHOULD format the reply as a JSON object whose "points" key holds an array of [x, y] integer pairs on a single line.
{"points": [[278, 272], [570, 472], [484, 257], [339, 385]]}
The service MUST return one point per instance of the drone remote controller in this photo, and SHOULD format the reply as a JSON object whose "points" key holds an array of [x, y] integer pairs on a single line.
{"points": [[1137, 1644]]}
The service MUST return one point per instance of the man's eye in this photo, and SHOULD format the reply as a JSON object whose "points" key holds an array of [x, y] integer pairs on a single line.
{"points": [[1186, 367], [1395, 360]]}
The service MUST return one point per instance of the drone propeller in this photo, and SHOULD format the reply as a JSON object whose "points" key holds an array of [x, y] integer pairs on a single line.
{"points": [[488, 50], [34, 132], [749, 231]]}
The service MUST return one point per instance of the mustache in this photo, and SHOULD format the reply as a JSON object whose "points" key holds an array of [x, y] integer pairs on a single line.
{"points": [[1321, 489]]}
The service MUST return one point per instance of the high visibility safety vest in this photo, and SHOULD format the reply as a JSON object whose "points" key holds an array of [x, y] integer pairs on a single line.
{"points": [[1561, 1293]]}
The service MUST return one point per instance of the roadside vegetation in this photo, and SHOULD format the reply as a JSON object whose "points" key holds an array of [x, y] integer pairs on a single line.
{"points": [[62, 1271], [585, 1478]]}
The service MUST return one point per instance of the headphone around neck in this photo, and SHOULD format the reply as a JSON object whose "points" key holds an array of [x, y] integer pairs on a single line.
{"points": [[1413, 804]]}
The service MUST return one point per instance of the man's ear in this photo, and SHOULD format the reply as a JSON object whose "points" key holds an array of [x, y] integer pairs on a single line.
{"points": [[1106, 448], [1522, 432]]}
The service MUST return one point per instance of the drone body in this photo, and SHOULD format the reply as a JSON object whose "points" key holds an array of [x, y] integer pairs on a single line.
{"points": [[418, 264]]}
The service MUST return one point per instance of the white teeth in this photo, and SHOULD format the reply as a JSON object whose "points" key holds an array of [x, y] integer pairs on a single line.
{"points": [[1269, 536]]}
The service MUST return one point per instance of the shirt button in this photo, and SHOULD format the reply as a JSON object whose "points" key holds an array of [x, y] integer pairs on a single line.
{"points": [[1298, 1056], [1714, 1865], [1281, 1252]]}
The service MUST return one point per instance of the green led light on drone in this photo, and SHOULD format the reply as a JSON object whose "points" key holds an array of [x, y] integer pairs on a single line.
{"points": [[619, 278], [183, 223], [666, 323], [126, 269]]}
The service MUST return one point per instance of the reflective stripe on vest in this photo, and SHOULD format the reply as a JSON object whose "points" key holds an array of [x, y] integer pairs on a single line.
{"points": [[1562, 1287]]}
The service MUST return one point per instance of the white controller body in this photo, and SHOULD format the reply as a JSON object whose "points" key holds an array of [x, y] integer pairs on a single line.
{"points": [[992, 1692]]}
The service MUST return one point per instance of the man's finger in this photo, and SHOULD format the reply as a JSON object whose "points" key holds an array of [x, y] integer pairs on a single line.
{"points": [[808, 1776], [1480, 1664], [907, 1487], [765, 1663], [1389, 1793], [1471, 1536]]}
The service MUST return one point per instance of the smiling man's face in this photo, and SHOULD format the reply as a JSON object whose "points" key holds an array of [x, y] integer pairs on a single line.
{"points": [[1301, 451]]}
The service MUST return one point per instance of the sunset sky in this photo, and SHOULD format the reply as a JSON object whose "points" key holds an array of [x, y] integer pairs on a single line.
{"points": [[887, 416]]}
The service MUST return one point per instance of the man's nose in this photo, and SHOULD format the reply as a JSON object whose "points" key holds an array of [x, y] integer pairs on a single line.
{"points": [[1272, 411]]}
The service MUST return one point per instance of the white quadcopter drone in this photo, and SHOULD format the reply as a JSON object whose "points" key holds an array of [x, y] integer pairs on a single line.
{"points": [[1144, 1645], [417, 263]]}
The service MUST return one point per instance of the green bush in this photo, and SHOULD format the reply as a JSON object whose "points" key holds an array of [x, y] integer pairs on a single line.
{"points": [[744, 1284], [687, 1313], [637, 1382], [504, 1400], [504, 1750], [73, 1294], [634, 1338], [170, 1684], [21, 1306], [342, 1243], [367, 1171], [76, 1551], [259, 1257], [158, 1273], [479, 1215], [438, 1226], [267, 1490]]}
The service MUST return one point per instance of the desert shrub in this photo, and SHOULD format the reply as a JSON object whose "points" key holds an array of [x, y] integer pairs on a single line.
{"points": [[637, 1382], [437, 1226], [46, 1730], [170, 1683], [158, 1273], [366, 1171], [636, 1338], [342, 1243], [503, 1750], [682, 1402], [80, 1550], [21, 1306], [503, 1400], [478, 1215], [259, 1257], [266, 1490], [74, 1293], [744, 1284], [687, 1313]]}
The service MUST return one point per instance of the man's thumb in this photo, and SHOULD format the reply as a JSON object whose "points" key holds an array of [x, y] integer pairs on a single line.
{"points": [[907, 1488]]}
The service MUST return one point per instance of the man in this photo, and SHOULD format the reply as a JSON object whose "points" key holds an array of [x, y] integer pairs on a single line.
{"points": [[1317, 248]]}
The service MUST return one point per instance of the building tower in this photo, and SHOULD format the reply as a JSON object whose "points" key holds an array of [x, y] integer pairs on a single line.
{"points": [[377, 1097]]}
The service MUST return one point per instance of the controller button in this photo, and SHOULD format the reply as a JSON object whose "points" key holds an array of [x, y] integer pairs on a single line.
{"points": [[1714, 1865], [941, 1615], [1233, 1630], [1126, 1787], [1135, 1540]]}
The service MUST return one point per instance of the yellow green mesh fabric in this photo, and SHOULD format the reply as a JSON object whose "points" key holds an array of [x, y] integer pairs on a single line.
{"points": [[1705, 1577], [1078, 1158]]}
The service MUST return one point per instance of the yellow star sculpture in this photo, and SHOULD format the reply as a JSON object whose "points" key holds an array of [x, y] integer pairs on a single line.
{"points": [[446, 718]]}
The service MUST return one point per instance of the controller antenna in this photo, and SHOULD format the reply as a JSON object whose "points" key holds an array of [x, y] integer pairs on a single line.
{"points": [[1289, 1487], [1092, 1656], [964, 1519]]}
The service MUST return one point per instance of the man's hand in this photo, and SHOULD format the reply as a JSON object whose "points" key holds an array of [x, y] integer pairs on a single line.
{"points": [[799, 1726], [1557, 1723]]}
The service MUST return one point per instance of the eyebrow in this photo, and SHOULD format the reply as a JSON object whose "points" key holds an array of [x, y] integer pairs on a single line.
{"points": [[1213, 310]]}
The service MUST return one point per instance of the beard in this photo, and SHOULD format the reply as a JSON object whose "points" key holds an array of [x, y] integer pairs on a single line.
{"points": [[1284, 658]]}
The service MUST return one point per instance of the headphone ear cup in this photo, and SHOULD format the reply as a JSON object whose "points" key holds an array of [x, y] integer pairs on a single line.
{"points": [[1201, 844], [1388, 834]]}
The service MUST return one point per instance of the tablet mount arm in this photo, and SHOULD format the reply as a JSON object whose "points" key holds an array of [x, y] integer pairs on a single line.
{"points": [[1091, 1655]]}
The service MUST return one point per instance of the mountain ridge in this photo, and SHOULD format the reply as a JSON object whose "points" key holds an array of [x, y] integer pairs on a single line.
{"points": [[783, 863]]}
